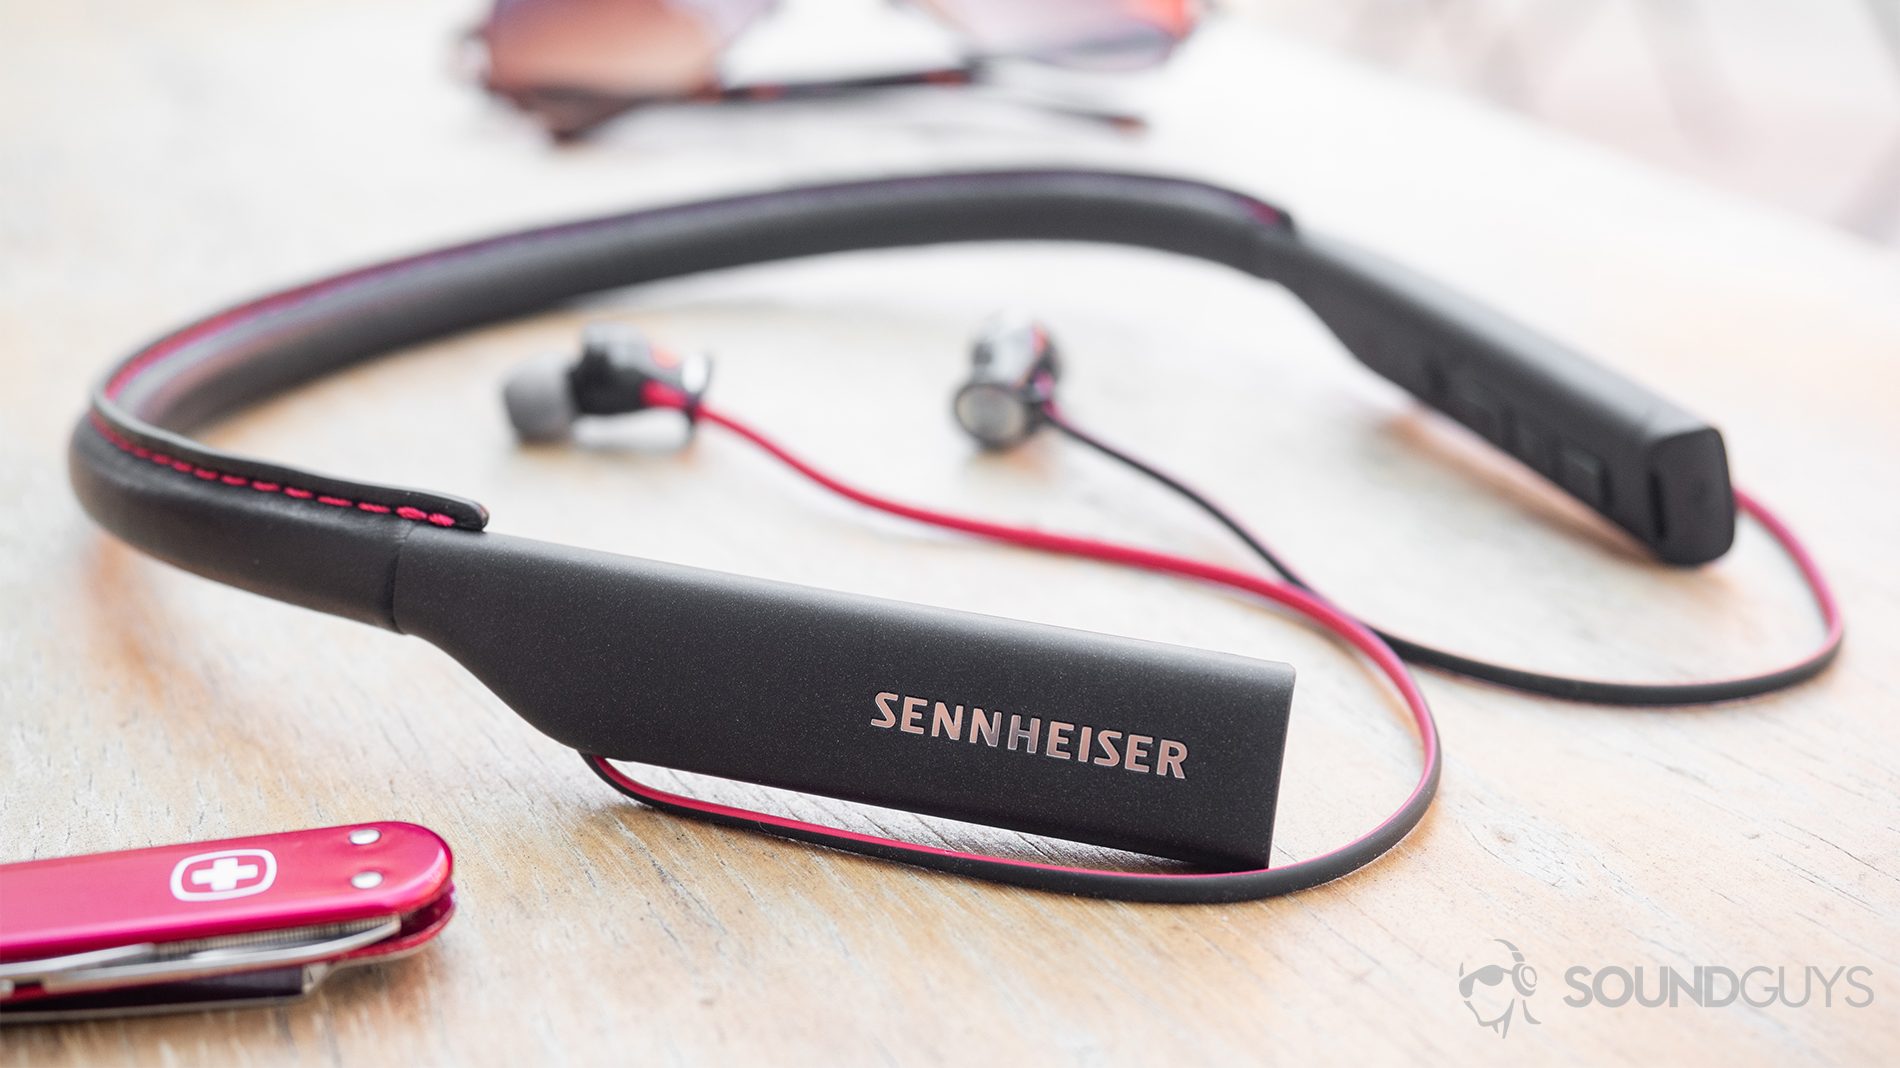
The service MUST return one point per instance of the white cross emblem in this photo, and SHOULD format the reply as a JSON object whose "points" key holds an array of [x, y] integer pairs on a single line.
{"points": [[225, 874]]}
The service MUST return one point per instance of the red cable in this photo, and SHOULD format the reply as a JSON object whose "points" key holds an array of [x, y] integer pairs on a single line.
{"points": [[1300, 601], [1804, 562]]}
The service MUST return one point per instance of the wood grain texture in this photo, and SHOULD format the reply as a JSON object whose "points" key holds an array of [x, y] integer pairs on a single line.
{"points": [[155, 163]]}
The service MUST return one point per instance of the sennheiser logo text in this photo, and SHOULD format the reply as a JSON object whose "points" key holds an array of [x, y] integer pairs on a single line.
{"points": [[1055, 739]]}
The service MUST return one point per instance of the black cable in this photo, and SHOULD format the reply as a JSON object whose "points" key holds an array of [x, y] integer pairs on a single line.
{"points": [[1182, 888], [1559, 686]]}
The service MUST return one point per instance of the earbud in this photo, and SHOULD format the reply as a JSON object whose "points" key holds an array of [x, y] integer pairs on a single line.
{"points": [[1013, 372], [540, 399], [545, 397]]}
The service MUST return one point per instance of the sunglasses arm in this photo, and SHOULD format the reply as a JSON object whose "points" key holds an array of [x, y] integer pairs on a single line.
{"points": [[573, 114]]}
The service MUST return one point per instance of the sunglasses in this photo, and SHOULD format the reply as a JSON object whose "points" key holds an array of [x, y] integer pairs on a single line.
{"points": [[575, 64]]}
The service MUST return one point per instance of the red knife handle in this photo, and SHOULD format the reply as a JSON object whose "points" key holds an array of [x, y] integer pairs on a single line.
{"points": [[208, 889]]}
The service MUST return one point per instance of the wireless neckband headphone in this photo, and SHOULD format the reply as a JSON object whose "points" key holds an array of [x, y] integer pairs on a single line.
{"points": [[1098, 739]]}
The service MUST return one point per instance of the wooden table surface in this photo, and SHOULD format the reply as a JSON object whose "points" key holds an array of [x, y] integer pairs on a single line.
{"points": [[157, 161]]}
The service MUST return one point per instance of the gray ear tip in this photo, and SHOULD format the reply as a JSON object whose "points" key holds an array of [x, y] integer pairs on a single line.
{"points": [[539, 400]]}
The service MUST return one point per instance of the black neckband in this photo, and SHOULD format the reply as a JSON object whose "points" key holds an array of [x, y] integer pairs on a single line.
{"points": [[1645, 464], [419, 562]]}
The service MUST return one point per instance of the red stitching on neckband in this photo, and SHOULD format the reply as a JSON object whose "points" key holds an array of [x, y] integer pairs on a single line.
{"points": [[125, 445]]}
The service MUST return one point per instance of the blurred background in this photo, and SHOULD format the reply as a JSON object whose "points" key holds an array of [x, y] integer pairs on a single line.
{"points": [[1797, 104], [1793, 104]]}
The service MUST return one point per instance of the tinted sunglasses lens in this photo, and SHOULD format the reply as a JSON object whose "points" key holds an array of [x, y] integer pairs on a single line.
{"points": [[1096, 34], [631, 47]]}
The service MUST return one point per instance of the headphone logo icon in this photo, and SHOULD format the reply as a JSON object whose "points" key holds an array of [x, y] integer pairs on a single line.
{"points": [[1484, 1003]]}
